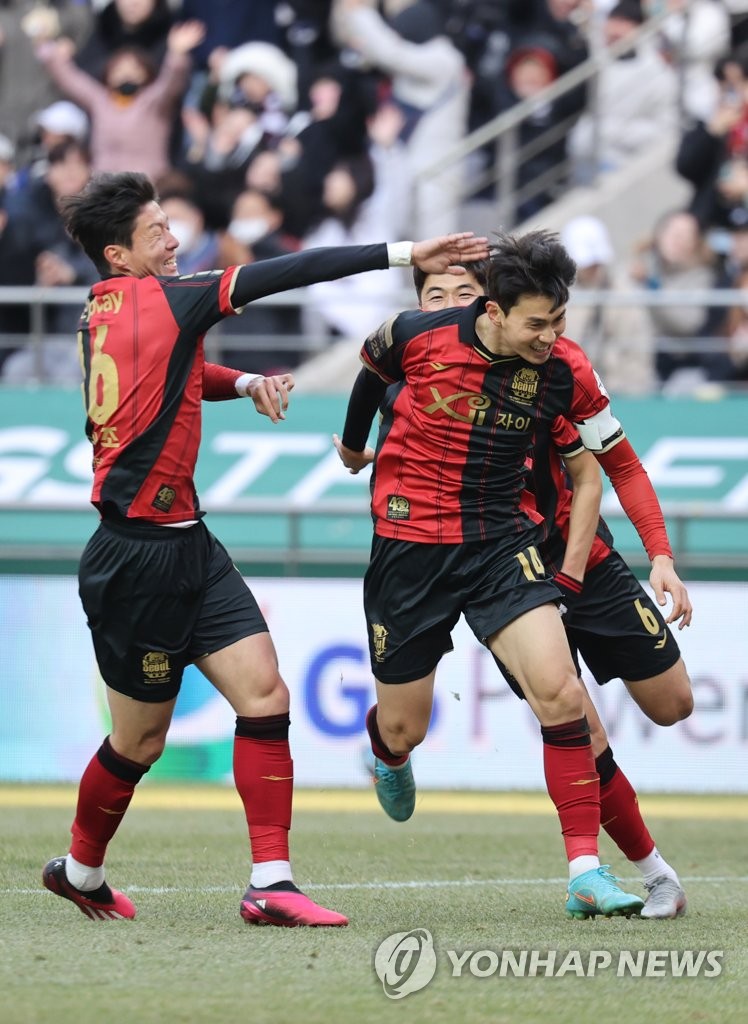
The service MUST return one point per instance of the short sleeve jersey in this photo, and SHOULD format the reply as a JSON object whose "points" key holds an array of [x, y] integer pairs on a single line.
{"points": [[141, 349], [451, 451]]}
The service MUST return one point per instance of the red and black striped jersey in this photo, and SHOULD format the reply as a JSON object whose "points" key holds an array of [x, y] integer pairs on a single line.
{"points": [[450, 464], [141, 350]]}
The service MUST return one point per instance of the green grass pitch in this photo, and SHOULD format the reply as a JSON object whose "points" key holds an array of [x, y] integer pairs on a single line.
{"points": [[480, 872]]}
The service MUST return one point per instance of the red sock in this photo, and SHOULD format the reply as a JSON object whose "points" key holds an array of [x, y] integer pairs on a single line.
{"points": [[104, 794], [573, 785], [377, 743], [263, 773], [619, 810]]}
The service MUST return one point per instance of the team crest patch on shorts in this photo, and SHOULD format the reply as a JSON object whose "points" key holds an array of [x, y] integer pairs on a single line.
{"points": [[164, 499], [397, 507], [379, 640], [156, 667]]}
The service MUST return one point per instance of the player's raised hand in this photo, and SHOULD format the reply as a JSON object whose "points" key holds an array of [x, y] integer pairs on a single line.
{"points": [[354, 462], [665, 580], [438, 255], [270, 395]]}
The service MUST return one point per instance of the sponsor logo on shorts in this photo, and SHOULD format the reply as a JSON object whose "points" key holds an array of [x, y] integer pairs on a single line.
{"points": [[156, 667]]}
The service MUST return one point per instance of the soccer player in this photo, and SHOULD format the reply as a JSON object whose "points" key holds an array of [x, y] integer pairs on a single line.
{"points": [[159, 591], [470, 386], [613, 622]]}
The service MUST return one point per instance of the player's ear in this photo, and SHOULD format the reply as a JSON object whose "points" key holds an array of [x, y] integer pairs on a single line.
{"points": [[116, 256], [495, 313]]}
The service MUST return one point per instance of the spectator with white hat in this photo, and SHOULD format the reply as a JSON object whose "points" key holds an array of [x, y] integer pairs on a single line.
{"points": [[61, 120], [617, 339]]}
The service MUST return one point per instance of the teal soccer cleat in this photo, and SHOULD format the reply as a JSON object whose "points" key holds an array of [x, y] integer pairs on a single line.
{"points": [[395, 786], [595, 894]]}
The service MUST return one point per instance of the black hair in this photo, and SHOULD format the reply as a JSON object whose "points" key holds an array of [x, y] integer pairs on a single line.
{"points": [[104, 213], [478, 268], [532, 264]]}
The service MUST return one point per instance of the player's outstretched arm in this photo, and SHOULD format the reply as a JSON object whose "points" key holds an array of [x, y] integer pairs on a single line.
{"points": [[327, 263], [665, 580]]}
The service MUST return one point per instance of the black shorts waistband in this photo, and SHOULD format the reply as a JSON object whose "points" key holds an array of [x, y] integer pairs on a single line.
{"points": [[145, 530]]}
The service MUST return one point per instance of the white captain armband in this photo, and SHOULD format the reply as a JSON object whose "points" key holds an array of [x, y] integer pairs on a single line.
{"points": [[601, 431], [242, 383], [400, 254]]}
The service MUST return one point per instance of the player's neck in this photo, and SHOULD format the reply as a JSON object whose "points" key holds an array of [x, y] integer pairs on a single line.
{"points": [[490, 336]]}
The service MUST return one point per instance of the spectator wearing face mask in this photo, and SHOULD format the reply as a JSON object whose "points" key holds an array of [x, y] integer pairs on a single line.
{"points": [[134, 110], [268, 338], [198, 246]]}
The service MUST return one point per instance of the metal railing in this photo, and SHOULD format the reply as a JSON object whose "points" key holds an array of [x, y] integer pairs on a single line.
{"points": [[306, 345], [295, 554], [502, 132]]}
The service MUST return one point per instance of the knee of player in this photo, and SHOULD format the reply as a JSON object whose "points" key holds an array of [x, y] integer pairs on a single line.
{"points": [[678, 707], [144, 750], [402, 735], [561, 699], [269, 688], [598, 738]]}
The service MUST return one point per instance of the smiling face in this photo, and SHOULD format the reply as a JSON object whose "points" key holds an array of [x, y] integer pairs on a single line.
{"points": [[153, 249], [446, 291], [529, 330]]}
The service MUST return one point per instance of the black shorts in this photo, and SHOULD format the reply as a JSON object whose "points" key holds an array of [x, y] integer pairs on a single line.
{"points": [[616, 627], [414, 595], [157, 598]]}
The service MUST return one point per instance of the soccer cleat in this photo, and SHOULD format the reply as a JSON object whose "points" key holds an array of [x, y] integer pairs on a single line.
{"points": [[395, 786], [102, 904], [282, 904], [595, 894], [666, 899]]}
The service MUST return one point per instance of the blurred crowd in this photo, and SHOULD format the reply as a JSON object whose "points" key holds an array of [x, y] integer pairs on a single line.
{"points": [[275, 125]]}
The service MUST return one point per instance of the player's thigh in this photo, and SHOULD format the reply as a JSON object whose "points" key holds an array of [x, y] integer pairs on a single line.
{"points": [[229, 612], [406, 707], [666, 698], [412, 602], [617, 629], [246, 673], [142, 588], [139, 728], [535, 650]]}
